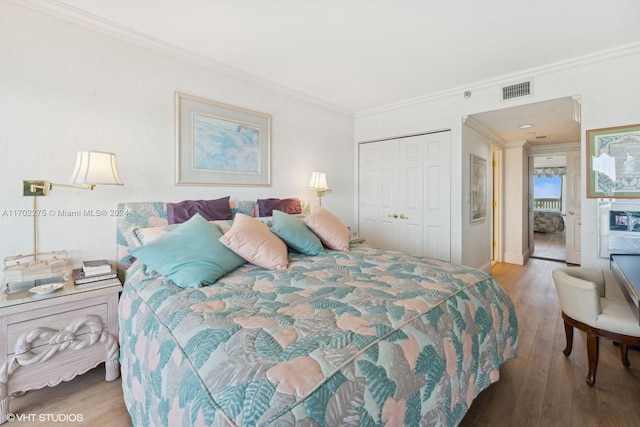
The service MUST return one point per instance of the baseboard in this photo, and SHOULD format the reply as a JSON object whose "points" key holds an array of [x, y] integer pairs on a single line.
{"points": [[515, 258], [486, 268]]}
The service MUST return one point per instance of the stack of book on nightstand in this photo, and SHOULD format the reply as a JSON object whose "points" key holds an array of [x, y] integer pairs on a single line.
{"points": [[94, 273]]}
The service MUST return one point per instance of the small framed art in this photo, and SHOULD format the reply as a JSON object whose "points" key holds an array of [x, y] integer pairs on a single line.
{"points": [[478, 188]]}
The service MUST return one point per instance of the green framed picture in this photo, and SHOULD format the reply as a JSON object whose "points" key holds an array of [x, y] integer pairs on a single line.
{"points": [[613, 162]]}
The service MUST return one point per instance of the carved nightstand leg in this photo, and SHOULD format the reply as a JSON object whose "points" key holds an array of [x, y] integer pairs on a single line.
{"points": [[4, 409], [112, 363], [4, 404], [113, 369]]}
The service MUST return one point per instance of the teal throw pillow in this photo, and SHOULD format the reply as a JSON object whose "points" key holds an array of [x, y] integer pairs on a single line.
{"points": [[191, 255], [296, 234]]}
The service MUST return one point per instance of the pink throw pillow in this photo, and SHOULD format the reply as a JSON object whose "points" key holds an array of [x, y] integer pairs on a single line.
{"points": [[253, 241], [328, 227]]}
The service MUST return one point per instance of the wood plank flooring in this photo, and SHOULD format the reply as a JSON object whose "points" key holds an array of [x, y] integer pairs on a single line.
{"points": [[541, 387], [550, 246]]}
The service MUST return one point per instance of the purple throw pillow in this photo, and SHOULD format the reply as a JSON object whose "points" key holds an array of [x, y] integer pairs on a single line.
{"points": [[288, 206], [211, 210]]}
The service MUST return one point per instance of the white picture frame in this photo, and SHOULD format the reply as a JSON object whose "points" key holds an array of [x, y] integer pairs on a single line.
{"points": [[221, 144]]}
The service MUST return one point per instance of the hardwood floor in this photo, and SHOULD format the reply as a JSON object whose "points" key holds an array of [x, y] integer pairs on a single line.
{"points": [[549, 246], [541, 387], [87, 400]]}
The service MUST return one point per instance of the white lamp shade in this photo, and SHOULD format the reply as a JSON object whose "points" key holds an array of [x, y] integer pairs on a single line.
{"points": [[97, 168], [318, 180]]}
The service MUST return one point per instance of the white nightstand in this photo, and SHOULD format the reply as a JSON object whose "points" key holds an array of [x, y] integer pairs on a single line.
{"points": [[51, 338]]}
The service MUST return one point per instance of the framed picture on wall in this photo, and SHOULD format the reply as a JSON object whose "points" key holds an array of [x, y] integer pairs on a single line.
{"points": [[478, 188], [613, 162], [221, 144]]}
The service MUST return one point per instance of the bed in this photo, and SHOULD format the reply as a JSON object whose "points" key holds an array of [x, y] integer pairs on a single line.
{"points": [[545, 221], [355, 337]]}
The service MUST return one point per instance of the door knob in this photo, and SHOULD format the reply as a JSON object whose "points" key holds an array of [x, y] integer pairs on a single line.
{"points": [[393, 215], [402, 216], [570, 212]]}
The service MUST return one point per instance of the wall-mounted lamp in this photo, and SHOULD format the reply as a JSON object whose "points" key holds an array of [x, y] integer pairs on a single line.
{"points": [[319, 183], [92, 168]]}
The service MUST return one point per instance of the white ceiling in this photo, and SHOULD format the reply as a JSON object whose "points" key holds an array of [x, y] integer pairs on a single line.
{"points": [[554, 121], [364, 54]]}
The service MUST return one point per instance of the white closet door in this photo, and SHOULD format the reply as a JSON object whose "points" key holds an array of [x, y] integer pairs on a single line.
{"points": [[403, 195], [377, 189], [437, 196], [409, 206]]}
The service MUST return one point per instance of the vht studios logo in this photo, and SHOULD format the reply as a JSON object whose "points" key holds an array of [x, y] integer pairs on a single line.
{"points": [[46, 418]]}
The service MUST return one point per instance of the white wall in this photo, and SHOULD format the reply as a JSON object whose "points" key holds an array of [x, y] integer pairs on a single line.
{"points": [[64, 88], [478, 233], [609, 90], [516, 240]]}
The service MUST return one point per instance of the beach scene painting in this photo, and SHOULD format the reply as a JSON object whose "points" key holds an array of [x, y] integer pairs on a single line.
{"points": [[224, 145], [221, 144]]}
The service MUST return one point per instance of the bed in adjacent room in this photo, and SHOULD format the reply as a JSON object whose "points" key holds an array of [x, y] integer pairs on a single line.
{"points": [[357, 336], [548, 221]]}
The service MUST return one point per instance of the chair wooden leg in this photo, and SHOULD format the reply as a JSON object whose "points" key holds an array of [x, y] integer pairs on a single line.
{"points": [[593, 348], [624, 354], [568, 332]]}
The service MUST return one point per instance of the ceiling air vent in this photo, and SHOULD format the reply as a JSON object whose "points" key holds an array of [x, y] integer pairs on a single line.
{"points": [[517, 90]]}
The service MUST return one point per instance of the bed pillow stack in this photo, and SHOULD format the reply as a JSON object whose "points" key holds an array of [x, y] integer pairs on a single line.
{"points": [[197, 252], [267, 247], [191, 255]]}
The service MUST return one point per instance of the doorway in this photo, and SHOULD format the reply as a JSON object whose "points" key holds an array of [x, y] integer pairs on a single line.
{"points": [[549, 206], [542, 128]]}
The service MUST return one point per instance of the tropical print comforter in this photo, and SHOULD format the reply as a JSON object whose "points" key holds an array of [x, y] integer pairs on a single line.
{"points": [[548, 221], [365, 337]]}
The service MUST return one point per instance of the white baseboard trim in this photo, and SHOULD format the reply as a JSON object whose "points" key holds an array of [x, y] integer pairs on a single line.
{"points": [[514, 258], [486, 268]]}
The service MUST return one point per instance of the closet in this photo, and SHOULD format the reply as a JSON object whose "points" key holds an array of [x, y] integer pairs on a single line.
{"points": [[404, 194]]}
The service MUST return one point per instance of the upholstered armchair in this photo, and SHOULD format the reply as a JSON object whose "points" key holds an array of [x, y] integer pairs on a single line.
{"points": [[591, 300]]}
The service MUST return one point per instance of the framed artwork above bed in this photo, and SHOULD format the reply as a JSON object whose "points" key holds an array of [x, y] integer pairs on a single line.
{"points": [[221, 144]]}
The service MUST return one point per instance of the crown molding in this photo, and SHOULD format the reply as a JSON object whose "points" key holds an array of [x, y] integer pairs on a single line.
{"points": [[604, 55], [516, 144], [482, 129], [110, 28], [540, 150], [76, 16]]}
